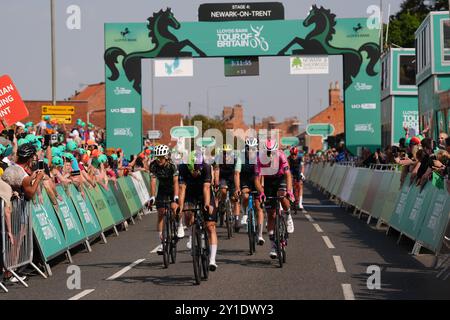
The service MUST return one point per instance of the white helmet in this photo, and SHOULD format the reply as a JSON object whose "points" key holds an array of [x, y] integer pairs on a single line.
{"points": [[161, 150], [251, 142]]}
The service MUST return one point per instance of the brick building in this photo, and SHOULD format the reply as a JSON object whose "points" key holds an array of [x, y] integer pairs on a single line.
{"points": [[333, 114]]}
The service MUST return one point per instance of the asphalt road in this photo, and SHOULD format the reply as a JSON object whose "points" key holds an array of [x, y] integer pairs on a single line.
{"points": [[327, 258]]}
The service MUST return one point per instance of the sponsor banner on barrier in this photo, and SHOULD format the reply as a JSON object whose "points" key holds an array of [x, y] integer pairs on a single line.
{"points": [[390, 202], [436, 221], [112, 204], [381, 194], [99, 204], [143, 191], [128, 194], [138, 195], [348, 185], [402, 204], [70, 222], [121, 201], [414, 216], [47, 229], [374, 185], [363, 186], [86, 212]]}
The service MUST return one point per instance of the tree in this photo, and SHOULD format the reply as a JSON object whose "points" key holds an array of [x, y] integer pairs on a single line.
{"points": [[412, 12], [208, 123]]}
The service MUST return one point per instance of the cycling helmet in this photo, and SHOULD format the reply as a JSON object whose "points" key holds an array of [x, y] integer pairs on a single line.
{"points": [[294, 151], [26, 151], [271, 145], [57, 161], [161, 150], [251, 142], [227, 147]]}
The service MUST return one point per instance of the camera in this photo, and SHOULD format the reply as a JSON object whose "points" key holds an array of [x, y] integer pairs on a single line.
{"points": [[40, 165]]}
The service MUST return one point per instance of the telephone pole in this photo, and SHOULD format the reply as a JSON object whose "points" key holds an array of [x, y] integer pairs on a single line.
{"points": [[189, 113]]}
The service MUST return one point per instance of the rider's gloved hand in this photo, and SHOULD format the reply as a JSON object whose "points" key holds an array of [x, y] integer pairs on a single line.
{"points": [[151, 201], [262, 197], [176, 199], [290, 196], [302, 176]]}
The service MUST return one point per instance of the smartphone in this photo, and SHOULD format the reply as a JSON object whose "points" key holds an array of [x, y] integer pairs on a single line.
{"points": [[11, 133], [41, 165], [131, 158]]}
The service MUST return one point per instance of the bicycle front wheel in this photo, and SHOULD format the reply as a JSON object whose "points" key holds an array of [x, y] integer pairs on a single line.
{"points": [[278, 239], [229, 219], [196, 252], [205, 255], [166, 239], [173, 243], [251, 231]]}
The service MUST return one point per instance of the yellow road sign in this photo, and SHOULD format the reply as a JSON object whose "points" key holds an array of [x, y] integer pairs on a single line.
{"points": [[65, 110], [61, 118]]}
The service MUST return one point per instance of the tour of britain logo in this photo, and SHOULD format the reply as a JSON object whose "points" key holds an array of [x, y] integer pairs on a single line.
{"points": [[244, 37]]}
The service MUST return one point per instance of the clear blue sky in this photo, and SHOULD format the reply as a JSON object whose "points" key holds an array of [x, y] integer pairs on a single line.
{"points": [[25, 56]]}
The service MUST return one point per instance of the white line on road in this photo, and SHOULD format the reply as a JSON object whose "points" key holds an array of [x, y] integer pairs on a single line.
{"points": [[154, 250], [318, 229], [121, 272], [82, 294], [328, 242], [339, 265], [348, 292], [310, 219]]}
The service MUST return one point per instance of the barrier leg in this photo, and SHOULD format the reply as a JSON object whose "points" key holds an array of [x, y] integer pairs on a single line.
{"points": [[88, 246], [18, 278], [125, 225], [69, 256], [132, 221], [416, 249], [103, 238], [3, 287], [360, 214], [399, 238], [115, 231], [379, 223], [387, 231], [38, 270], [369, 219], [48, 269]]}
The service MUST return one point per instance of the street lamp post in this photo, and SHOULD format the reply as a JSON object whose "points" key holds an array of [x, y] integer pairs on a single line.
{"points": [[52, 27]]}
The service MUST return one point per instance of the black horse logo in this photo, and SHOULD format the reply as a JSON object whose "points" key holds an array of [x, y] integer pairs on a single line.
{"points": [[125, 32], [318, 42], [357, 28], [166, 45]]}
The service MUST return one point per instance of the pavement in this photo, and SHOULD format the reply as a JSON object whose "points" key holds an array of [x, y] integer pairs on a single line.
{"points": [[332, 255]]}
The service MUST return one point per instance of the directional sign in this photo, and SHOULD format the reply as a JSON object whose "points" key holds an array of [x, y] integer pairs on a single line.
{"points": [[320, 129], [184, 132], [65, 110], [206, 142], [290, 141], [154, 134], [66, 119]]}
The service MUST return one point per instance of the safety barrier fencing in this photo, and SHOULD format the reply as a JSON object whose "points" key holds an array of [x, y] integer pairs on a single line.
{"points": [[77, 216], [419, 213]]}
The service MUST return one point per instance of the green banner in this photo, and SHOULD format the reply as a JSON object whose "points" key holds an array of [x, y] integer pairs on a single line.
{"points": [[436, 220], [374, 185], [121, 201], [381, 194], [86, 212], [112, 204], [404, 203], [47, 228], [100, 207], [321, 33], [389, 204], [134, 190], [73, 230], [128, 194], [405, 114]]}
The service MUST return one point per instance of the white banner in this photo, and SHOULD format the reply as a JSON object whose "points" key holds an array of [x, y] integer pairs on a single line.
{"points": [[309, 64], [176, 67]]}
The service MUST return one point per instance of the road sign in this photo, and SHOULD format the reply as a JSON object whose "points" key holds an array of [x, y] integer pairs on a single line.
{"points": [[290, 141], [184, 132], [241, 66], [206, 142], [241, 11], [65, 110], [61, 118], [154, 134], [12, 108], [320, 129]]}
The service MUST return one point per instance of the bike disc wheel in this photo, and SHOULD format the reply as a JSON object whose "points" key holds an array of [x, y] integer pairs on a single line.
{"points": [[196, 248], [278, 240], [205, 256], [166, 240]]}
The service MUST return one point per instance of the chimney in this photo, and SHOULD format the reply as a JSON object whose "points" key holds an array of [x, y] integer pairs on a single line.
{"points": [[334, 94]]}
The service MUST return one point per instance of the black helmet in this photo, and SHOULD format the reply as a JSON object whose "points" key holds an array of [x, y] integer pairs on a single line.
{"points": [[26, 151]]}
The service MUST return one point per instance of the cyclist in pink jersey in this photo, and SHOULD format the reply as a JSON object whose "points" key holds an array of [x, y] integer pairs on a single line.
{"points": [[273, 178]]}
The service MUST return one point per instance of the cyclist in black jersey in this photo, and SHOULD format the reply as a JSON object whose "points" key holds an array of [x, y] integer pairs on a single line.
{"points": [[245, 182], [224, 176], [163, 170], [297, 172], [195, 185]]}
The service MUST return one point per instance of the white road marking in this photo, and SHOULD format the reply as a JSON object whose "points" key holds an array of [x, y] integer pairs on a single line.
{"points": [[339, 265], [318, 229], [154, 250], [310, 219], [328, 242], [128, 268], [82, 294], [348, 292]]}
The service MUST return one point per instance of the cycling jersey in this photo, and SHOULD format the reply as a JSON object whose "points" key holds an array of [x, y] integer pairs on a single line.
{"points": [[246, 171], [194, 185], [226, 170], [275, 168], [295, 166], [165, 175]]}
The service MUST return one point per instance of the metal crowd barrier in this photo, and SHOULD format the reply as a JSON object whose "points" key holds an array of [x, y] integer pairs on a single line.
{"points": [[17, 252]]}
